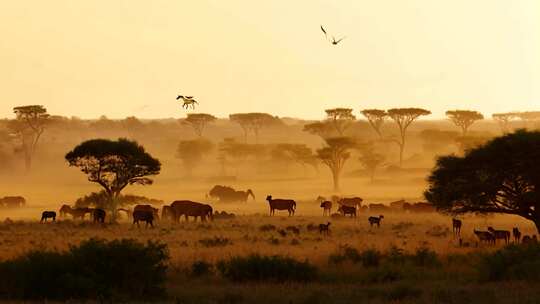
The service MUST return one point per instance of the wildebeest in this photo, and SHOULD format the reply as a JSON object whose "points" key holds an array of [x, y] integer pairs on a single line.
{"points": [[46, 215], [99, 215], [155, 211], [378, 208], [351, 201], [500, 234], [419, 207], [327, 207], [485, 236], [456, 226], [324, 228], [350, 210], [517, 234], [375, 220], [281, 204], [145, 216], [190, 208], [13, 201]]}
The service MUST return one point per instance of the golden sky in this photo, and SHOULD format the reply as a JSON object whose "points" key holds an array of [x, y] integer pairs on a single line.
{"points": [[120, 58]]}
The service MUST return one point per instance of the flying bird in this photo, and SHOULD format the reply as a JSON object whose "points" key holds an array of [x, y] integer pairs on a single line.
{"points": [[333, 41]]}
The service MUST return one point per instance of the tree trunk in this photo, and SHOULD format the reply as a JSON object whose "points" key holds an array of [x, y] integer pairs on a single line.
{"points": [[27, 160], [401, 148], [335, 176]]}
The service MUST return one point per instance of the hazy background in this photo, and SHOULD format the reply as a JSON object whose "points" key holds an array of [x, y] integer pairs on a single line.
{"points": [[121, 58]]}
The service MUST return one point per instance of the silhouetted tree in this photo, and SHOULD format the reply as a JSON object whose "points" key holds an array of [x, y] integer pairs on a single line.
{"points": [[376, 119], [335, 154], [28, 127], [500, 177], [404, 117], [253, 122], [340, 118], [320, 128], [114, 165], [503, 119], [464, 119], [191, 152], [199, 121], [371, 160]]}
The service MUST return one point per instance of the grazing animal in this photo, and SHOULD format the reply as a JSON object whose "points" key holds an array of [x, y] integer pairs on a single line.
{"points": [[327, 207], [281, 204], [79, 212], [145, 216], [347, 210], [517, 234], [324, 228], [129, 212], [190, 208], [485, 236], [167, 212], [456, 226], [378, 208], [13, 201], [64, 210], [227, 194], [351, 201], [375, 220], [99, 215], [155, 211], [46, 215], [500, 234]]}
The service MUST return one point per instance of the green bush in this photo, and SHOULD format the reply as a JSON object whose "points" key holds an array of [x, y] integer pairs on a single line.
{"points": [[520, 262], [96, 269], [266, 268]]}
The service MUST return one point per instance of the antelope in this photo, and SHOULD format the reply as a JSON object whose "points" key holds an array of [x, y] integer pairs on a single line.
{"points": [[456, 226], [500, 234], [375, 220], [324, 228], [485, 236], [327, 207], [517, 234]]}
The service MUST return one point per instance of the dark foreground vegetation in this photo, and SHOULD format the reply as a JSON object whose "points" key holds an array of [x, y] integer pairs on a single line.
{"points": [[126, 270]]}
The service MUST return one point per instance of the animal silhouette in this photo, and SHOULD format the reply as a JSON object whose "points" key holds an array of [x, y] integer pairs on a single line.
{"points": [[46, 215], [144, 216], [167, 212], [324, 228], [350, 210], [155, 211], [333, 40], [281, 204], [129, 212], [375, 220], [351, 201], [99, 215], [190, 208], [485, 236], [456, 226], [327, 207], [188, 100], [13, 201], [517, 235], [500, 234]]}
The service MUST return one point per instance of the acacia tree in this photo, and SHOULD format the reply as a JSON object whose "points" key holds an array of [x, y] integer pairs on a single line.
{"points": [[376, 119], [28, 127], [253, 122], [319, 128], [335, 154], [404, 117], [114, 165], [500, 177], [199, 121], [371, 161], [191, 152], [464, 119], [503, 119], [340, 118]]}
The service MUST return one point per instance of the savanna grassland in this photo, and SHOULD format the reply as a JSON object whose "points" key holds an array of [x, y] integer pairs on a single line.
{"points": [[411, 258]]}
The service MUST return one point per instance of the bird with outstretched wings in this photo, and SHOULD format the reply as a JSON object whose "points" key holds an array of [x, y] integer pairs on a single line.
{"points": [[333, 40]]}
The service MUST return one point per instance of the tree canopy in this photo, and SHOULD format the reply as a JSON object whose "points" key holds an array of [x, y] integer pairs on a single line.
{"points": [[28, 126], [503, 119], [464, 119], [340, 119], [404, 117], [375, 118], [335, 154], [199, 121], [114, 164], [319, 128], [254, 122], [500, 177]]}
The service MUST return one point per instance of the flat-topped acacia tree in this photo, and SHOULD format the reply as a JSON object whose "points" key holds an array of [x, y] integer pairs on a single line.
{"points": [[501, 176], [464, 119], [340, 118], [335, 154], [253, 122], [114, 164], [199, 121], [503, 119], [404, 117], [376, 119]]}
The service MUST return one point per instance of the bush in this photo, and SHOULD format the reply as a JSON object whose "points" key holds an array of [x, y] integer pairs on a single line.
{"points": [[96, 269], [266, 268], [425, 257], [520, 262], [201, 268], [370, 258]]}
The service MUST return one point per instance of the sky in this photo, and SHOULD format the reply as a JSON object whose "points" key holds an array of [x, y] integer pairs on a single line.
{"points": [[123, 58]]}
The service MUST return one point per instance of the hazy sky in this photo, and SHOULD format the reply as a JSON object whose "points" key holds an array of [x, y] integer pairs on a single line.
{"points": [[122, 58]]}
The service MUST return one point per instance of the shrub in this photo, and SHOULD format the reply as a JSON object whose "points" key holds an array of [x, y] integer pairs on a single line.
{"points": [[96, 269], [215, 242], [370, 258], [520, 262], [201, 268], [266, 268]]}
